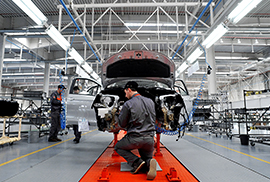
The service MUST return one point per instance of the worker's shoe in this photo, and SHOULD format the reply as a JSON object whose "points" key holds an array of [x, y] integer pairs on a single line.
{"points": [[137, 165], [58, 139], [76, 140], [152, 170], [52, 140]]}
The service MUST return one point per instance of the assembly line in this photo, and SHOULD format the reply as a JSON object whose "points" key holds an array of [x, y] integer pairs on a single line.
{"points": [[136, 90]]}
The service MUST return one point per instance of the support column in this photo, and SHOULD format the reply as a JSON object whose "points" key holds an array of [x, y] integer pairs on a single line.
{"points": [[46, 79], [212, 82], [2, 55], [183, 77]]}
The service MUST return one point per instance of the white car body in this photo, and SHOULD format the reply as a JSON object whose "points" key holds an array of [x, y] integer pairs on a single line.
{"points": [[78, 106]]}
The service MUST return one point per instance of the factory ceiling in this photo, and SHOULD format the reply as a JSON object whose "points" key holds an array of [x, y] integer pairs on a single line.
{"points": [[98, 29]]}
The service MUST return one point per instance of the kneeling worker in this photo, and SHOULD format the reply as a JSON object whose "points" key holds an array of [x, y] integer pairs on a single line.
{"points": [[138, 117]]}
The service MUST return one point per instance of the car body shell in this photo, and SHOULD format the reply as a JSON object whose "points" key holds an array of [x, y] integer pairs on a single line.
{"points": [[155, 75]]}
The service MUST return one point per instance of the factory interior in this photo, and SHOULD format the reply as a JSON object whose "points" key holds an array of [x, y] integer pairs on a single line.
{"points": [[213, 54]]}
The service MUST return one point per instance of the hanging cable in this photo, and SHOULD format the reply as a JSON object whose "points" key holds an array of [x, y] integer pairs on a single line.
{"points": [[63, 110], [183, 126], [196, 101], [190, 116], [61, 74], [206, 7], [70, 15]]}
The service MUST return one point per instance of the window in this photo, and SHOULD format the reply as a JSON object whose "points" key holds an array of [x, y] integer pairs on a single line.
{"points": [[85, 86]]}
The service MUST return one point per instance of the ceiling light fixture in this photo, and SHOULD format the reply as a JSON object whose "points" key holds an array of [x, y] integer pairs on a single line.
{"points": [[90, 71], [57, 37], [238, 41], [32, 11], [242, 9], [75, 55], [195, 55], [153, 24], [215, 35], [181, 69], [161, 31]]}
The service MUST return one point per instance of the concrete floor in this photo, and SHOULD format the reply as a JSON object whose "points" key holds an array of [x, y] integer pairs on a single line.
{"points": [[207, 157]]}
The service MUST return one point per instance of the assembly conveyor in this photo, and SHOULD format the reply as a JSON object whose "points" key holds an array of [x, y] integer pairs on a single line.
{"points": [[208, 158]]}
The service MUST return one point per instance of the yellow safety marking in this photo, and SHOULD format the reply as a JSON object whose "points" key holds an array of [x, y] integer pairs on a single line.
{"points": [[26, 155], [230, 149]]}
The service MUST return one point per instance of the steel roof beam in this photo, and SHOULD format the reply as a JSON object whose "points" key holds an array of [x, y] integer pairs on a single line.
{"points": [[132, 5]]}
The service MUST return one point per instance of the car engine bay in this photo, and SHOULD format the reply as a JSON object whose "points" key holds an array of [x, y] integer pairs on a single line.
{"points": [[169, 106]]}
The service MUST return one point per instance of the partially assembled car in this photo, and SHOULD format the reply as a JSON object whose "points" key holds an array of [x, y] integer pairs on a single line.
{"points": [[79, 103], [155, 75]]}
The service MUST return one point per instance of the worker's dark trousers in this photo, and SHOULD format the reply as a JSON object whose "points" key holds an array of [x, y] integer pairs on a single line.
{"points": [[76, 132], [55, 124], [144, 144]]}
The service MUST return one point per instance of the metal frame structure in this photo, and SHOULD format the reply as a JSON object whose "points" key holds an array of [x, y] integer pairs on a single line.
{"points": [[107, 26]]}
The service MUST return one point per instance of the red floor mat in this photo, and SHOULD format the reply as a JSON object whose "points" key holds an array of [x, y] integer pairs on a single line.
{"points": [[113, 165]]}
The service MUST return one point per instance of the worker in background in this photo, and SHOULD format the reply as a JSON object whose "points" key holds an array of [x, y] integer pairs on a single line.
{"points": [[56, 107], [76, 90], [138, 117], [75, 126]]}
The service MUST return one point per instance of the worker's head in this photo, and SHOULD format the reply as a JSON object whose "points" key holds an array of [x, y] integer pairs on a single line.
{"points": [[130, 88], [61, 88], [76, 90]]}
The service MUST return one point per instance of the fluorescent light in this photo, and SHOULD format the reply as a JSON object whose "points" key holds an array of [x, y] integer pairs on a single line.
{"points": [[78, 58], [242, 9], [87, 68], [195, 55], [195, 67], [152, 24], [162, 31], [32, 11], [229, 57], [57, 37], [90, 71], [181, 69], [238, 41], [26, 33], [215, 35]]}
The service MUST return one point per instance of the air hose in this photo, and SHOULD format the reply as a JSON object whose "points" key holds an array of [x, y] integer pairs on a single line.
{"points": [[190, 116], [166, 132], [183, 126], [63, 110], [196, 100]]}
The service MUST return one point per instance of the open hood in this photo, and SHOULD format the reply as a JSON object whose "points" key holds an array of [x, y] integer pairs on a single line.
{"points": [[138, 65]]}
